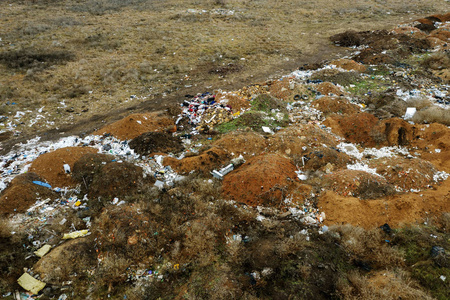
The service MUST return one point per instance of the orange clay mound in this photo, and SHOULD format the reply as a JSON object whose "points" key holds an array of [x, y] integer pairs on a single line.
{"points": [[22, 193], [332, 105], [262, 180], [236, 102], [50, 166], [136, 124], [327, 88], [203, 163], [355, 128], [245, 143], [405, 174], [349, 65]]}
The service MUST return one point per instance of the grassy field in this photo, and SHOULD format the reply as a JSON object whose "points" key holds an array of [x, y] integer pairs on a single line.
{"points": [[73, 65]]}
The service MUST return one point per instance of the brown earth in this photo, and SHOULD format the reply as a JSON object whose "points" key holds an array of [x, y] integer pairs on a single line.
{"points": [[22, 193], [396, 210], [355, 128], [116, 180], [134, 125], [328, 88], [329, 105], [280, 89], [63, 261], [262, 180], [325, 159], [236, 102], [50, 166], [245, 143], [154, 142], [292, 140], [404, 173], [88, 166], [203, 163], [357, 184], [349, 65]]}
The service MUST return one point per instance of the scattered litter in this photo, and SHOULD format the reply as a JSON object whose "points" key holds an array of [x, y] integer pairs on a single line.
{"points": [[442, 277], [267, 129], [222, 172], [42, 184], [410, 111], [43, 250], [75, 234], [30, 284], [66, 168]]}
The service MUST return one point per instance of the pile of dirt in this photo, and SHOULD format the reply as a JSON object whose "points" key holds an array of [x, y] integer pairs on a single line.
{"points": [[89, 166], [154, 142], [203, 163], [325, 159], [336, 76], [397, 210], [50, 166], [263, 180], [64, 262], [236, 102], [395, 132], [22, 193], [433, 143], [357, 184], [116, 179], [245, 143], [355, 128], [349, 65], [335, 105], [300, 140], [280, 89], [328, 88], [405, 174], [136, 124]]}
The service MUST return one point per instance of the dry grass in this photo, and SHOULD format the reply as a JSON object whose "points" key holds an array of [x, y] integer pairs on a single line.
{"points": [[433, 114], [98, 53]]}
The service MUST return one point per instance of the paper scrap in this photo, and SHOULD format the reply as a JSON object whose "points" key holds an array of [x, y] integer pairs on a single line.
{"points": [[43, 250], [30, 284], [75, 234]]}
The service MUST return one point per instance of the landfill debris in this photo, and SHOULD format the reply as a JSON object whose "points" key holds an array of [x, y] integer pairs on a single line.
{"points": [[30, 284], [410, 111], [66, 168], [44, 184], [43, 250], [222, 172], [75, 234]]}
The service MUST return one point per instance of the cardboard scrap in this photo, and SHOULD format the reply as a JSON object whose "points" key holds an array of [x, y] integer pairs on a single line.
{"points": [[30, 284], [75, 234], [43, 250]]}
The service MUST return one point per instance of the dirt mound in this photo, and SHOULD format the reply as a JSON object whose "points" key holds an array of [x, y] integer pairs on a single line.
{"points": [[280, 89], [355, 128], [262, 180], [88, 166], [116, 180], [298, 141], [357, 184], [442, 34], [153, 142], [64, 262], [203, 163], [325, 159], [394, 132], [22, 193], [405, 174], [395, 210], [50, 166], [333, 105], [335, 76], [410, 31], [136, 124], [433, 142], [327, 88], [266, 103], [132, 232], [236, 102], [245, 143], [443, 74], [349, 65]]}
